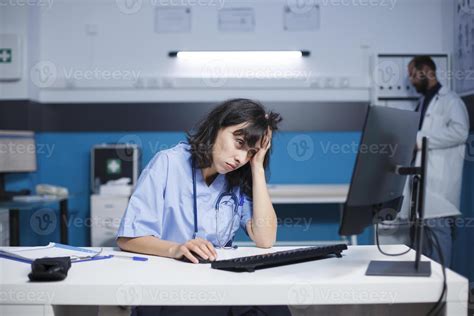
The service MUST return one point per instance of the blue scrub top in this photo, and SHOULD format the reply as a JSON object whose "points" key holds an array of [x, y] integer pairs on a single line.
{"points": [[162, 203]]}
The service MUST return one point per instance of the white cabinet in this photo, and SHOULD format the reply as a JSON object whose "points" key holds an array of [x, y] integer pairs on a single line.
{"points": [[106, 213]]}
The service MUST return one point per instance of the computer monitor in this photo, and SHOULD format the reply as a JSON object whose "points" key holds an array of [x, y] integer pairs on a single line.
{"points": [[17, 154], [383, 162], [388, 140]]}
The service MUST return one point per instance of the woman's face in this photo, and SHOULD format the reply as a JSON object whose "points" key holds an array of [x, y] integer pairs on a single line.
{"points": [[230, 151]]}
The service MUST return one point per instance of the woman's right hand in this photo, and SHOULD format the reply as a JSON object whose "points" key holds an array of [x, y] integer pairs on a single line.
{"points": [[199, 246]]}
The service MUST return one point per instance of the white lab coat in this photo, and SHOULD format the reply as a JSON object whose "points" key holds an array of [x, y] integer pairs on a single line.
{"points": [[446, 124]]}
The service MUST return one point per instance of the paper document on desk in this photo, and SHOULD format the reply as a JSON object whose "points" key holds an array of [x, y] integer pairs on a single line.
{"points": [[51, 250]]}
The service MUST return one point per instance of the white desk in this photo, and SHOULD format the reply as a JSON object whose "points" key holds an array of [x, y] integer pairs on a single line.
{"points": [[163, 281]]}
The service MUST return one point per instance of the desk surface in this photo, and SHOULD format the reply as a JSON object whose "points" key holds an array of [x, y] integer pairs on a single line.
{"points": [[163, 281], [27, 205]]}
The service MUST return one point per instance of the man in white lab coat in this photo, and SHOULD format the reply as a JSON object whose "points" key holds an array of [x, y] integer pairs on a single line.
{"points": [[445, 122]]}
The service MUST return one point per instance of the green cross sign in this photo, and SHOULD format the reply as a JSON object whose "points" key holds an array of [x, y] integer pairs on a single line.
{"points": [[114, 166], [5, 55]]}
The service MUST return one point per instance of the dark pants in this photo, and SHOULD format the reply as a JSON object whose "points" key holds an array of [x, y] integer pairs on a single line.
{"points": [[444, 229], [211, 310]]}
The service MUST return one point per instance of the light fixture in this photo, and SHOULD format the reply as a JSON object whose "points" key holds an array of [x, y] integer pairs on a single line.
{"points": [[240, 54]]}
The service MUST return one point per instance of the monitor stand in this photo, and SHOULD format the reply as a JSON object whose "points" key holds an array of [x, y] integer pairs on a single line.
{"points": [[415, 268]]}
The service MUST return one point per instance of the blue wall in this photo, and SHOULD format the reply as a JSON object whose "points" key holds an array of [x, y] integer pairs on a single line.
{"points": [[463, 254], [64, 159]]}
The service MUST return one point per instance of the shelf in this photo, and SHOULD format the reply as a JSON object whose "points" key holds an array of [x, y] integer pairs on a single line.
{"points": [[308, 193]]}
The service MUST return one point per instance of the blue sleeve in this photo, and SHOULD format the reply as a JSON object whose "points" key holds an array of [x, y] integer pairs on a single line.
{"points": [[247, 211], [144, 213]]}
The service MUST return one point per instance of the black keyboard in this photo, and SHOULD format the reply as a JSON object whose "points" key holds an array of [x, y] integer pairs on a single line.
{"points": [[268, 260]]}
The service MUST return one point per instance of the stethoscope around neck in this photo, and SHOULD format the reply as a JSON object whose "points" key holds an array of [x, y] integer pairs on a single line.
{"points": [[236, 202]]}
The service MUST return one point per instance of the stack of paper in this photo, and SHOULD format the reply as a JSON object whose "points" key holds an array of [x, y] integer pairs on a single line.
{"points": [[51, 250]]}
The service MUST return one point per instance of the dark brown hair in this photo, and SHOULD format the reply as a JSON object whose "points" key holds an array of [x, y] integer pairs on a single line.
{"points": [[422, 60], [229, 113]]}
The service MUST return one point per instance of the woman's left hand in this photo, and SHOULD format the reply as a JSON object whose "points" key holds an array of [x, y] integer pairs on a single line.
{"points": [[257, 160]]}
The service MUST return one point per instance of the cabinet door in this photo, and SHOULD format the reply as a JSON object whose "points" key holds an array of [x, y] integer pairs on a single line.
{"points": [[106, 213]]}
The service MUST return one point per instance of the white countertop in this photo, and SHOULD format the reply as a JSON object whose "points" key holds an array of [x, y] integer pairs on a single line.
{"points": [[164, 281]]}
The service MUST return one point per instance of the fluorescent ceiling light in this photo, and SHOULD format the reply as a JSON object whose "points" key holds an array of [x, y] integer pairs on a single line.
{"points": [[239, 54]]}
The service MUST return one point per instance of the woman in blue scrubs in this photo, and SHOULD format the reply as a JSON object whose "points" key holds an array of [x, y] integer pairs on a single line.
{"points": [[193, 198]]}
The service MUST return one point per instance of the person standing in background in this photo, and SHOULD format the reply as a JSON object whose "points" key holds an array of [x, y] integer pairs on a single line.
{"points": [[444, 121]]}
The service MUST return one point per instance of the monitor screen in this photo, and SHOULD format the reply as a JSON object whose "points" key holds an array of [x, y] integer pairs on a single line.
{"points": [[17, 151], [388, 140]]}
